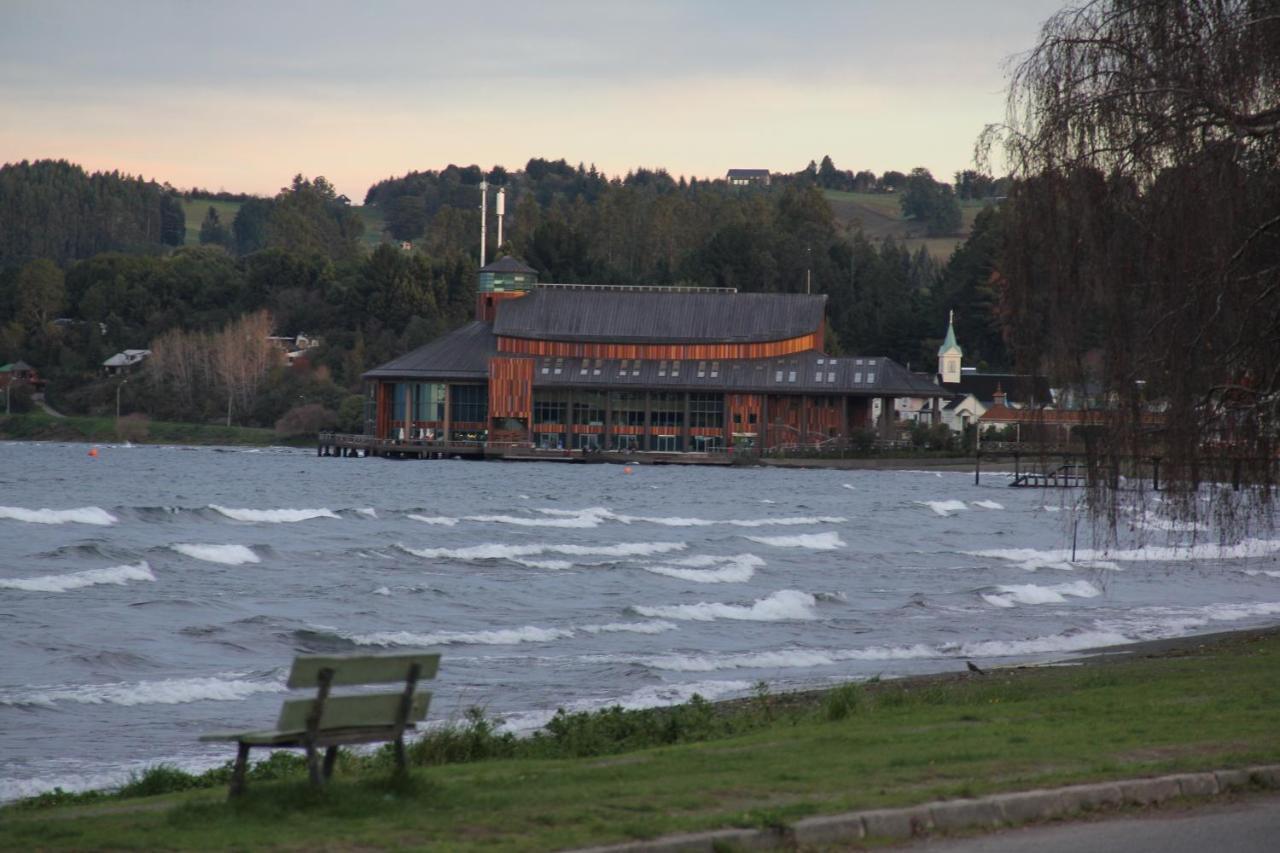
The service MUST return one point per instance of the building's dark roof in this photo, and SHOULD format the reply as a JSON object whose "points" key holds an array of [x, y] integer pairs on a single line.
{"points": [[1022, 390], [648, 316], [748, 173], [461, 354], [506, 263]]}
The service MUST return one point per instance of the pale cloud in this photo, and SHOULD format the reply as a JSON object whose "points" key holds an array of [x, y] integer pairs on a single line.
{"points": [[242, 96]]}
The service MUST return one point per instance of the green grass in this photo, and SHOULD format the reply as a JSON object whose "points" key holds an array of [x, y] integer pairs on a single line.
{"points": [[195, 209], [879, 215], [763, 761], [39, 426], [373, 223]]}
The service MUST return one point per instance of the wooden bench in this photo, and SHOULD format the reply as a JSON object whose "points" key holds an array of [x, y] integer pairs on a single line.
{"points": [[328, 722]]}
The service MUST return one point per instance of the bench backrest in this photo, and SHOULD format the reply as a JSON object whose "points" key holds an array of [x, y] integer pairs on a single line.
{"points": [[363, 711], [361, 669]]}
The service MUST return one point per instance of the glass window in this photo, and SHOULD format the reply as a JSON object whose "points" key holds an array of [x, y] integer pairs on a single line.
{"points": [[628, 408], [777, 377], [857, 377], [588, 408], [675, 368], [399, 394], [667, 409], [662, 368], [428, 401], [791, 376], [871, 377], [831, 377], [470, 403], [706, 410]]}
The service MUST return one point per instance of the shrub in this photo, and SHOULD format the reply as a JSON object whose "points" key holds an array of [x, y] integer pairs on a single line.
{"points": [[306, 420], [841, 702]]}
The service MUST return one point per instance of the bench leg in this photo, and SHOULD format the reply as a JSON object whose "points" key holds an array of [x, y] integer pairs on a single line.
{"points": [[238, 772], [330, 756], [313, 766]]}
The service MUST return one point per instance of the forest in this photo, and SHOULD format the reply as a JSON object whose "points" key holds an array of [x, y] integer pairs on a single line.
{"points": [[91, 264]]}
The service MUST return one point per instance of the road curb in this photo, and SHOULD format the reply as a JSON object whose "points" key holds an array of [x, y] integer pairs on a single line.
{"points": [[987, 812]]}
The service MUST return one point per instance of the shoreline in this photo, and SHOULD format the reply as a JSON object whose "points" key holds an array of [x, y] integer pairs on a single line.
{"points": [[798, 700]]}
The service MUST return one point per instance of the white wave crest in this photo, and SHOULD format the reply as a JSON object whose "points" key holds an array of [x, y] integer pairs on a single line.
{"points": [[783, 605], [987, 504], [442, 520], [382, 590], [653, 626], [593, 516], [1008, 596], [368, 512], [708, 568], [1262, 573], [583, 520], [815, 541], [273, 516], [497, 637], [1031, 558], [230, 555], [119, 575], [652, 696], [82, 515], [499, 551], [173, 691], [944, 508]]}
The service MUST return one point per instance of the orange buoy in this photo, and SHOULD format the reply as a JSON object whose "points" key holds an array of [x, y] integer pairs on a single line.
{"points": [[93, 451], [627, 470]]}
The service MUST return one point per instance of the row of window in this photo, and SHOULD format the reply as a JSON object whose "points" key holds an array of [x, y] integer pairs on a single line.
{"points": [[705, 369], [470, 403]]}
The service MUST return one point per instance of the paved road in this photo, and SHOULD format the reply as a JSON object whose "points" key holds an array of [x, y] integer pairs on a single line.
{"points": [[1248, 826]]}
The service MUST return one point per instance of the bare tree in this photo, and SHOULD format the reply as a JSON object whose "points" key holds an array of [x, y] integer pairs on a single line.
{"points": [[242, 354], [1142, 260]]}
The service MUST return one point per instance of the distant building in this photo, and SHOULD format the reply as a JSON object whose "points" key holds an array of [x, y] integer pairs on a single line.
{"points": [[125, 361], [971, 394], [748, 177], [294, 346], [645, 368], [20, 373]]}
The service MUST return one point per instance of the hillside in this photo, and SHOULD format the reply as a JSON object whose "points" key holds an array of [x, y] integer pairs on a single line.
{"points": [[196, 208], [879, 215]]}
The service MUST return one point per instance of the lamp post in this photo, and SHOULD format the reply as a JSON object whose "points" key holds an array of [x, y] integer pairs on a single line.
{"points": [[119, 388]]}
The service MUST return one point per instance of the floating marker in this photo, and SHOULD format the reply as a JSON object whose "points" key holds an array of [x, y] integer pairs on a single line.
{"points": [[627, 470], [93, 451]]}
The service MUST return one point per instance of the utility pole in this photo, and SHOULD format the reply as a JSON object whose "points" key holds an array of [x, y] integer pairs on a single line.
{"points": [[484, 218], [119, 388]]}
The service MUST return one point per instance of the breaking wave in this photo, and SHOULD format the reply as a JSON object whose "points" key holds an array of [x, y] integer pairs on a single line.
{"points": [[709, 568], [815, 541], [987, 504], [173, 691], [1031, 558], [783, 605], [499, 551], [273, 516], [593, 516], [230, 555], [945, 508], [1008, 596], [655, 626], [442, 520], [497, 637], [82, 515], [119, 575]]}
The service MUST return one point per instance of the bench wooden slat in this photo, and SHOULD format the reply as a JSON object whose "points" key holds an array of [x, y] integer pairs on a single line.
{"points": [[361, 669], [343, 712]]}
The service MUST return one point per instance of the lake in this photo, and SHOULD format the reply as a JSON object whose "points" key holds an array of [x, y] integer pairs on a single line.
{"points": [[150, 594]]}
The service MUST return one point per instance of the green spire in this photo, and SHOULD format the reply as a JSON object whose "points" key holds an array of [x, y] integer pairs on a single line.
{"points": [[949, 343]]}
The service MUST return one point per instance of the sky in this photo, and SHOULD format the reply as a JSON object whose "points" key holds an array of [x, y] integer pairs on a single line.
{"points": [[243, 95]]}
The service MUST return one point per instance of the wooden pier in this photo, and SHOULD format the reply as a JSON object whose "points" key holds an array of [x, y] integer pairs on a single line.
{"points": [[342, 445]]}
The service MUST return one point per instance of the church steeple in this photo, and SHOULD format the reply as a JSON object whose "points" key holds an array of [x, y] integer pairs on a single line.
{"points": [[950, 354]]}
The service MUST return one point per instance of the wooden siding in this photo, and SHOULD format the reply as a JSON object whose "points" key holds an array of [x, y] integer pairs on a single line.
{"points": [[744, 406], [511, 388], [569, 349]]}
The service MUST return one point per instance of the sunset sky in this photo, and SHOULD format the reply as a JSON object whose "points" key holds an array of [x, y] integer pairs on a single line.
{"points": [[242, 95]]}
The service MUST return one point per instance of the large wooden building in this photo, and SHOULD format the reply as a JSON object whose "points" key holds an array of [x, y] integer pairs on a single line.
{"points": [[661, 369]]}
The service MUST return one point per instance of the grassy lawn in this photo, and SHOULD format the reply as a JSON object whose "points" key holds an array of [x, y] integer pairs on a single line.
{"points": [[39, 426], [879, 215], [195, 211], [763, 761]]}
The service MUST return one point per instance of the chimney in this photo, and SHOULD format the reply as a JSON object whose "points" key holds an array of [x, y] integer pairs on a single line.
{"points": [[999, 397]]}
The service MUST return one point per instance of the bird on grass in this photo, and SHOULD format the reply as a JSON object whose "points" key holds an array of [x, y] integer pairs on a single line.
{"points": [[973, 667]]}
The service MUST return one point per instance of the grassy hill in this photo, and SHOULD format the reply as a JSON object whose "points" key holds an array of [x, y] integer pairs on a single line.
{"points": [[879, 215], [195, 210]]}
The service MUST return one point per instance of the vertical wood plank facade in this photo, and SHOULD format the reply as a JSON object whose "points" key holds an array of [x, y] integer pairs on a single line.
{"points": [[726, 351]]}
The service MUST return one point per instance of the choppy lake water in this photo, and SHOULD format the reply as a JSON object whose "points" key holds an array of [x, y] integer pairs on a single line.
{"points": [[154, 593]]}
